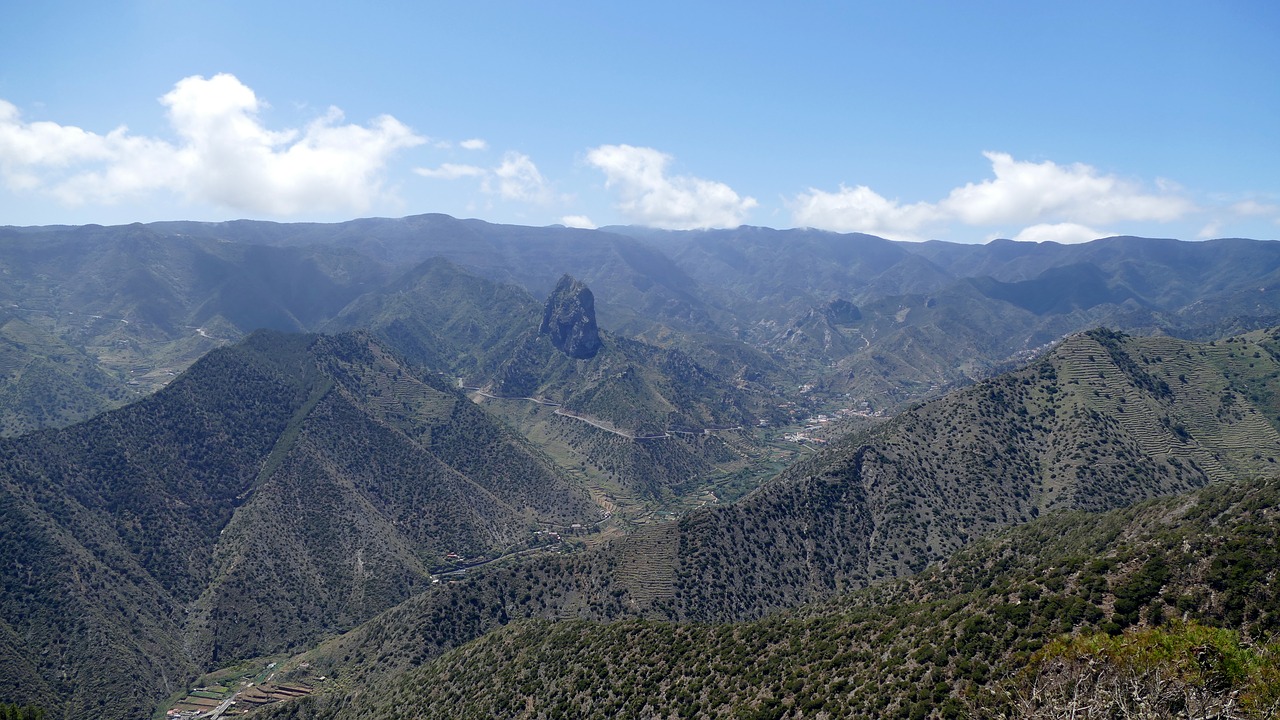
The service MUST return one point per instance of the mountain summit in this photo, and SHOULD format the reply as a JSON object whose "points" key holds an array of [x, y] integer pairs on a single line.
{"points": [[570, 319]]}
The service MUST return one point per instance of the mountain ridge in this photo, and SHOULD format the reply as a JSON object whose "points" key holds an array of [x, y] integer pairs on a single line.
{"points": [[990, 632], [740, 302]]}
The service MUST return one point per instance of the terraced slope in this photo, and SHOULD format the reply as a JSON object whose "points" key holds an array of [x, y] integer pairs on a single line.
{"points": [[46, 382], [645, 566]]}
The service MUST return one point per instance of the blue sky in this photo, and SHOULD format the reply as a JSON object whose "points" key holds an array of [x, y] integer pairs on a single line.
{"points": [[911, 120]]}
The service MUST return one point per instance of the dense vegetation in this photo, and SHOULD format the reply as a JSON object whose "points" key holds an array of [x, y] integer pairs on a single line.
{"points": [[886, 504], [1170, 605], [284, 488], [20, 712], [1072, 430], [293, 486]]}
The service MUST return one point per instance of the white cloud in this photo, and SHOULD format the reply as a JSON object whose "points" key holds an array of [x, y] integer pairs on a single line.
{"points": [[224, 155], [46, 143], [1253, 208], [474, 144], [861, 209], [1053, 202], [1229, 218], [450, 171], [1025, 192], [1065, 233], [578, 221], [517, 178], [46, 155], [649, 197]]}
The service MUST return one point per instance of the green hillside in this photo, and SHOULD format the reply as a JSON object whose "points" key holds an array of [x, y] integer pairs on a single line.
{"points": [[45, 382], [937, 314], [281, 489], [1164, 609], [1103, 421]]}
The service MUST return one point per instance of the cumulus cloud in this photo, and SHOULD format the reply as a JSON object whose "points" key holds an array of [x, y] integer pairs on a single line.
{"points": [[224, 155], [515, 178], [648, 196], [474, 144], [45, 143], [1024, 192], [1052, 201], [46, 155], [861, 209]]}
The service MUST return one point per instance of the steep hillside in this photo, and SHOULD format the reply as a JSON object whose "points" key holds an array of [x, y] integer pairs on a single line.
{"points": [[283, 488], [975, 636], [1103, 421], [647, 422]]}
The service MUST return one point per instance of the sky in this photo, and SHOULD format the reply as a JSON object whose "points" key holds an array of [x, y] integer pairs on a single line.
{"points": [[909, 120]]}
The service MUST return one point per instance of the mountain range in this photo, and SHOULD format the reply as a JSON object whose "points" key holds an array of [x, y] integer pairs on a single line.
{"points": [[355, 485], [93, 314], [543, 472]]}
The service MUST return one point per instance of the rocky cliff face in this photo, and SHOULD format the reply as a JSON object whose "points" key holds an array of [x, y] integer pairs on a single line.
{"points": [[570, 319]]}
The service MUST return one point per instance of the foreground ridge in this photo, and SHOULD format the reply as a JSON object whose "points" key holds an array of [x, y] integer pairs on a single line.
{"points": [[1000, 629]]}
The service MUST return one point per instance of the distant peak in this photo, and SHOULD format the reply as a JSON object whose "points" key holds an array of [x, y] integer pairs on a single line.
{"points": [[570, 319]]}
